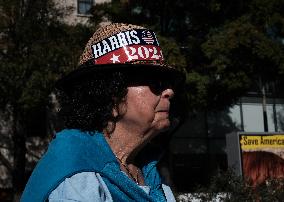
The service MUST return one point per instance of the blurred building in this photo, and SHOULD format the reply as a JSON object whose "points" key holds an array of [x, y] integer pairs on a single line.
{"points": [[198, 148], [78, 11]]}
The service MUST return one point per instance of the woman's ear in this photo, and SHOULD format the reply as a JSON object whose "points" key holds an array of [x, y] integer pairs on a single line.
{"points": [[119, 109], [115, 112]]}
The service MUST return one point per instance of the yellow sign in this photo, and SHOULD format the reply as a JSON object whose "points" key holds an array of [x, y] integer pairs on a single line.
{"points": [[262, 141]]}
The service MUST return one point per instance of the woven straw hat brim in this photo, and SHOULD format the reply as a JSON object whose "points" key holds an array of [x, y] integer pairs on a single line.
{"points": [[86, 71]]}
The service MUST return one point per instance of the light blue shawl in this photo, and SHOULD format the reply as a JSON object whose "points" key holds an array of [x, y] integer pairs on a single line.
{"points": [[74, 151]]}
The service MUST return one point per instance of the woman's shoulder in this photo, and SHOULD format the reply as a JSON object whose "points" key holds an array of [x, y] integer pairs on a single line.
{"points": [[83, 186]]}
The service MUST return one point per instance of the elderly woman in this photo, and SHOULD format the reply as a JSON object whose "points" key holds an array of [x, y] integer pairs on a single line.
{"points": [[113, 105]]}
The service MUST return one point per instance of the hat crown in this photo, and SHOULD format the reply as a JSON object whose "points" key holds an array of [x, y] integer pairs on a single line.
{"points": [[120, 47], [122, 43]]}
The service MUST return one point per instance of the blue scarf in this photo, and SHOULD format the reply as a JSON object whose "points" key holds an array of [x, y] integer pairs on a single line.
{"points": [[74, 151]]}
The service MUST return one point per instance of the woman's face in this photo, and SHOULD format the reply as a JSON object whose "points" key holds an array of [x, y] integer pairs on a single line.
{"points": [[146, 110]]}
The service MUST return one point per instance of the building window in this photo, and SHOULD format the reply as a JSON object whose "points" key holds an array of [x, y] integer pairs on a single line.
{"points": [[84, 6]]}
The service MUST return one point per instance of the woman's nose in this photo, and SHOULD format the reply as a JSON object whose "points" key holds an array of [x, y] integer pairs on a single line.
{"points": [[168, 93]]}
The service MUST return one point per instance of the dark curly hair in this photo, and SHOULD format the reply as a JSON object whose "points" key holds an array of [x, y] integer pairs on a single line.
{"points": [[88, 104]]}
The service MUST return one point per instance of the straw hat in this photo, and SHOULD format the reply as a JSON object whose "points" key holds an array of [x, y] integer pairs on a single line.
{"points": [[120, 46]]}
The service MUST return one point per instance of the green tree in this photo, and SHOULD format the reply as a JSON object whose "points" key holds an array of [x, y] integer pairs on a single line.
{"points": [[228, 45], [247, 52], [36, 49]]}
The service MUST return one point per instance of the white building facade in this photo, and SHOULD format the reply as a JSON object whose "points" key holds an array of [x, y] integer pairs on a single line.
{"points": [[78, 11]]}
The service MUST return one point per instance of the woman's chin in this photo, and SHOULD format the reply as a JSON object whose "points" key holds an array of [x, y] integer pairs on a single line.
{"points": [[163, 125]]}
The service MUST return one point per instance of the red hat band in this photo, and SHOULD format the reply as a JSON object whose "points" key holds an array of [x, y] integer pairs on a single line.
{"points": [[127, 47]]}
